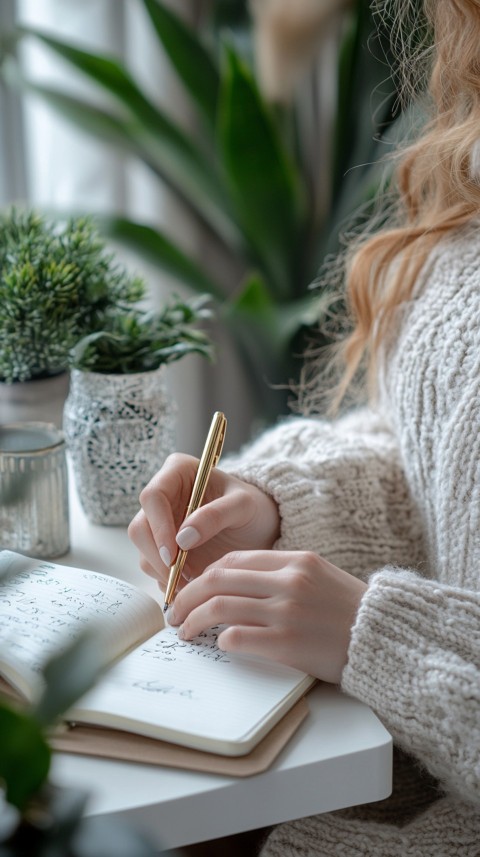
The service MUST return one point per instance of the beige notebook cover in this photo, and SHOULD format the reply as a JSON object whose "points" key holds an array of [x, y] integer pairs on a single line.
{"points": [[126, 746]]}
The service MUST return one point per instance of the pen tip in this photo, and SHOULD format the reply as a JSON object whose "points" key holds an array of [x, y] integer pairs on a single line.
{"points": [[165, 607]]}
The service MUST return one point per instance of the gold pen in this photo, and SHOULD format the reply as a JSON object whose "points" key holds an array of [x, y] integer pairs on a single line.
{"points": [[210, 457]]}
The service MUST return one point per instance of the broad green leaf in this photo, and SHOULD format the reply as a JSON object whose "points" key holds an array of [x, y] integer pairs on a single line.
{"points": [[115, 79], [68, 676], [144, 130], [366, 97], [264, 342], [303, 312], [155, 246], [255, 306], [266, 187], [277, 323], [108, 73], [24, 756], [193, 63], [132, 139]]}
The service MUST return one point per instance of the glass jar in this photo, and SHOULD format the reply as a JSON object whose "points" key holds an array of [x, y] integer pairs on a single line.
{"points": [[33, 489]]}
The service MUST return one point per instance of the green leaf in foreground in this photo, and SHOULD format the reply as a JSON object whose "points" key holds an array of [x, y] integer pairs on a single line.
{"points": [[68, 676], [24, 756]]}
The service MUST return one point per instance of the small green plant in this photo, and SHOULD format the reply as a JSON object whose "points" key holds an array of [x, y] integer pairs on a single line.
{"points": [[140, 341], [37, 817], [57, 284]]}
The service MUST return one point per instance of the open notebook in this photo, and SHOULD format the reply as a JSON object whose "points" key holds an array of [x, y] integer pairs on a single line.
{"points": [[186, 693]]}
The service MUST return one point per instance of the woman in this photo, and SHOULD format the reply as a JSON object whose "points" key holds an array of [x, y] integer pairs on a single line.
{"points": [[350, 548]]}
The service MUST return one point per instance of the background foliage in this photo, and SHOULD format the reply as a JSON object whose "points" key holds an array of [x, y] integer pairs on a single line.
{"points": [[242, 177]]}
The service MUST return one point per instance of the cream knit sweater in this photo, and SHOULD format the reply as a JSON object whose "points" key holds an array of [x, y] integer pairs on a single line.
{"points": [[393, 496]]}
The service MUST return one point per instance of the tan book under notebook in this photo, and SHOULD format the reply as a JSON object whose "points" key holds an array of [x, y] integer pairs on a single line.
{"points": [[186, 694]]}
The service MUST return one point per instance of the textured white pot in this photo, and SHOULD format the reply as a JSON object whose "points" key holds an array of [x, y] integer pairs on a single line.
{"points": [[119, 430], [40, 400]]}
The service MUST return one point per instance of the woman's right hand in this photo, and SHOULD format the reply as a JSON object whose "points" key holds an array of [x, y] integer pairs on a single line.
{"points": [[234, 515]]}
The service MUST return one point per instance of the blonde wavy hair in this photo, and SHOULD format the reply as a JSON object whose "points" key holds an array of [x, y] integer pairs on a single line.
{"points": [[437, 177]]}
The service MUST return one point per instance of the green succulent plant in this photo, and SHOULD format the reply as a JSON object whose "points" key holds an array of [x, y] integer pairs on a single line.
{"points": [[57, 283], [139, 341]]}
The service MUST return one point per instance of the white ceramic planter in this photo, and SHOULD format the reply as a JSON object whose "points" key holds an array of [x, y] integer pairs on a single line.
{"points": [[119, 430], [40, 400]]}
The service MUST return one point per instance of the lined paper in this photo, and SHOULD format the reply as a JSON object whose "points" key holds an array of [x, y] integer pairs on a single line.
{"points": [[169, 686], [45, 606]]}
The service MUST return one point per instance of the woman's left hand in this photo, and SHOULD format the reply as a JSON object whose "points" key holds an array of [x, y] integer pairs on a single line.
{"points": [[292, 607]]}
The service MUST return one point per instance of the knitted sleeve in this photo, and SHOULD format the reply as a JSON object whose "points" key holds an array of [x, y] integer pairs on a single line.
{"points": [[340, 488], [371, 499], [414, 654], [414, 657]]}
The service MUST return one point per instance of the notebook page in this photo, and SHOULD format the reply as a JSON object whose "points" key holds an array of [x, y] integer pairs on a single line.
{"points": [[45, 606], [169, 686]]}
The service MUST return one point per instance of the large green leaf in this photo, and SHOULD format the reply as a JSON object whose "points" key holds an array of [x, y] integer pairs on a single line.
{"points": [[24, 756], [114, 78], [68, 676], [144, 130], [155, 246], [193, 63], [367, 101], [266, 187], [278, 322], [265, 331]]}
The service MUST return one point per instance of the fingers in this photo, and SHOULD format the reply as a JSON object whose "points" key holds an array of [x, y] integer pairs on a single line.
{"points": [[230, 505], [250, 640], [231, 593], [293, 607], [232, 508], [216, 583], [141, 535], [163, 503]]}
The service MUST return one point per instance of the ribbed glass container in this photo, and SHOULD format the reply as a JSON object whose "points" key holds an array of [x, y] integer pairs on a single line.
{"points": [[33, 489]]}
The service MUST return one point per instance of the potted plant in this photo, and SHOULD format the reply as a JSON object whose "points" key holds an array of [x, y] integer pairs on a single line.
{"points": [[245, 179], [57, 284], [119, 417]]}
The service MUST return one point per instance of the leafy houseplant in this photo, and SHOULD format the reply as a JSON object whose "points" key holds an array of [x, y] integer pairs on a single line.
{"points": [[119, 418], [244, 179], [57, 284], [140, 341], [37, 818]]}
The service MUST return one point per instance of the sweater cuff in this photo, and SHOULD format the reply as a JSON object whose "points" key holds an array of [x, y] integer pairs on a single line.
{"points": [[294, 499], [414, 658], [387, 640]]}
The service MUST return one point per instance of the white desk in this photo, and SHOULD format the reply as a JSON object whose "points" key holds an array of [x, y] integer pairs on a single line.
{"points": [[340, 756]]}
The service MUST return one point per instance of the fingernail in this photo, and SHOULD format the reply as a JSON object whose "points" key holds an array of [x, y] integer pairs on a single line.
{"points": [[165, 556], [180, 633], [187, 538]]}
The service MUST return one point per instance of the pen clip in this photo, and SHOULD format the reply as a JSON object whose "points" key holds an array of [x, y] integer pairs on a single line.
{"points": [[221, 439]]}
